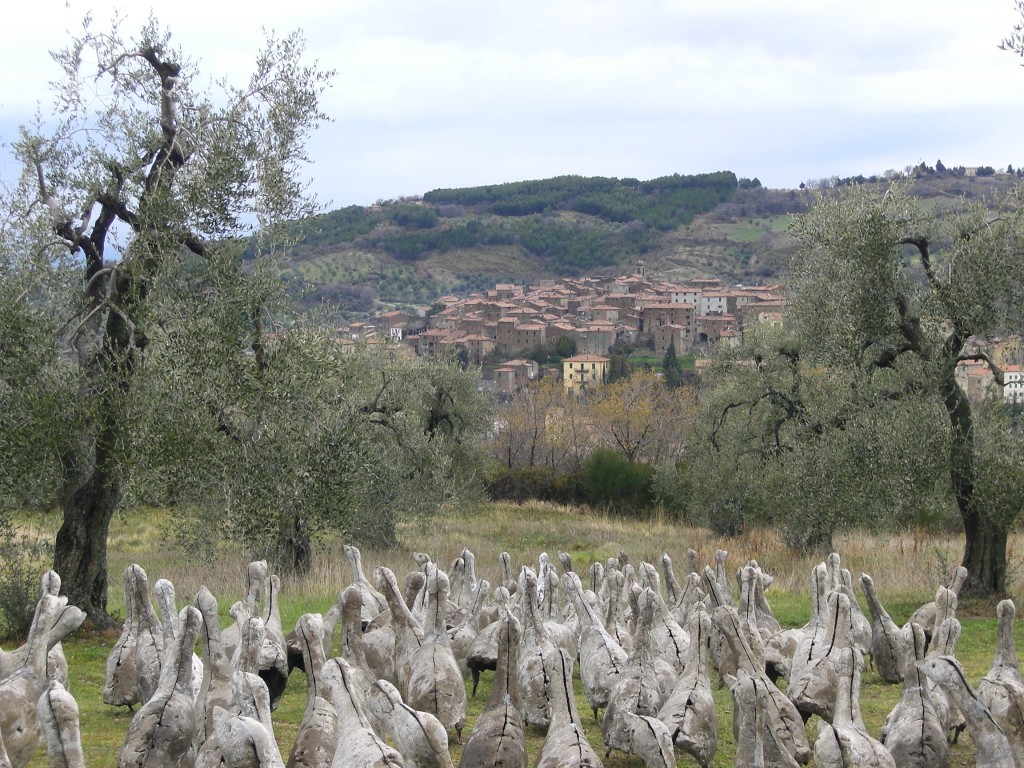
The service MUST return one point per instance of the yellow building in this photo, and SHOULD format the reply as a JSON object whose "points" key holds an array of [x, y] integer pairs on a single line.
{"points": [[582, 371]]}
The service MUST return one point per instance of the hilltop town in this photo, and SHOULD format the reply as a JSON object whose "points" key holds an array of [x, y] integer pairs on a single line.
{"points": [[580, 321], [576, 318]]}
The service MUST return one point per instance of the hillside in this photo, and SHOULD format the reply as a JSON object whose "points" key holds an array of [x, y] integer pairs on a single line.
{"points": [[411, 251]]}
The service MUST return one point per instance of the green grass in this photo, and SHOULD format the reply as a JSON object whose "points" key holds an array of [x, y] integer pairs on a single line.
{"points": [[753, 230], [905, 568], [638, 361], [742, 232]]}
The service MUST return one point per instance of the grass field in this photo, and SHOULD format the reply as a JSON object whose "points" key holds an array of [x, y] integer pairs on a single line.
{"points": [[906, 569], [638, 360], [752, 230]]}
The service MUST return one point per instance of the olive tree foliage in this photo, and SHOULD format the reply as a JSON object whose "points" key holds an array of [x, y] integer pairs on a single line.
{"points": [[141, 185], [1014, 42], [309, 438], [37, 385], [783, 442], [890, 296]]}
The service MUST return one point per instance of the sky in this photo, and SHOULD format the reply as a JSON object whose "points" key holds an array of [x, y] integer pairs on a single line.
{"points": [[455, 93]]}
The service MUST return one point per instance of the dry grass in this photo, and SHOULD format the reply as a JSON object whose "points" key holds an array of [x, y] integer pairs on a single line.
{"points": [[905, 568]]}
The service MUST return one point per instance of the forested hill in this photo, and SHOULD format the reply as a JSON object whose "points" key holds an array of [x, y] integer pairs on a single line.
{"points": [[413, 250], [660, 204], [570, 225]]}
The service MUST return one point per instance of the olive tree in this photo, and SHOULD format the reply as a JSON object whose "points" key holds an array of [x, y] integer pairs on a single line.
{"points": [[785, 443], [892, 295], [310, 438], [143, 182]]}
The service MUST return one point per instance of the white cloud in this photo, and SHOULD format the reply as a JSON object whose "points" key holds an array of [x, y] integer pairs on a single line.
{"points": [[458, 92]]}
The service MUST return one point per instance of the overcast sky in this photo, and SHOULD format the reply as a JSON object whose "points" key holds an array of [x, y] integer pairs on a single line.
{"points": [[453, 93]]}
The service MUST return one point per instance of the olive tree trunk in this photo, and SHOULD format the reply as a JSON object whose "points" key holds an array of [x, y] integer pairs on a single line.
{"points": [[91, 496], [984, 539], [984, 555], [295, 549]]}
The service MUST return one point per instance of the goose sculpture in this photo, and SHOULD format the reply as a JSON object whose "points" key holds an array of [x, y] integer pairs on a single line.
{"points": [[58, 715], [358, 745], [758, 744], [814, 688], [565, 745], [245, 741], [67, 620], [689, 712], [428, 675], [317, 738], [780, 719], [255, 575], [846, 741], [419, 736], [497, 739], [533, 684], [215, 687], [602, 660], [168, 611], [1001, 689], [162, 733], [483, 651], [120, 682], [928, 615], [20, 730], [637, 690], [992, 748], [149, 643], [946, 634], [912, 732], [373, 601], [886, 650]]}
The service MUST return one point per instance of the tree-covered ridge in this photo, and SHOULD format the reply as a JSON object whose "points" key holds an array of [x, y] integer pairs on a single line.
{"points": [[662, 203], [573, 224], [338, 226], [570, 248]]}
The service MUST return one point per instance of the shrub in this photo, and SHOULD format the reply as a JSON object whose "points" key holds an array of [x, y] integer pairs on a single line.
{"points": [[622, 486], [726, 518], [671, 483], [538, 483], [22, 562]]}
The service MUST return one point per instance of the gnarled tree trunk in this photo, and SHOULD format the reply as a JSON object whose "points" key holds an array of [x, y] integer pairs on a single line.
{"points": [[295, 549], [984, 540], [984, 555], [93, 486], [80, 554], [90, 498]]}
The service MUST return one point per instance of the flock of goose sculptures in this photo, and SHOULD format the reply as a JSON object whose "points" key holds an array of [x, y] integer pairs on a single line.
{"points": [[396, 689]]}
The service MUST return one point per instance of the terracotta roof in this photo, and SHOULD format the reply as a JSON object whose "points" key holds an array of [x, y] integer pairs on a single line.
{"points": [[716, 318]]}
